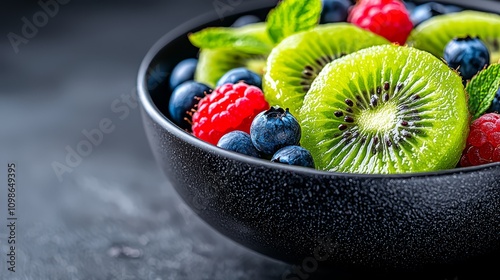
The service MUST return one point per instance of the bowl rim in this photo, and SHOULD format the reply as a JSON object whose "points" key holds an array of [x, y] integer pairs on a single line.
{"points": [[152, 110]]}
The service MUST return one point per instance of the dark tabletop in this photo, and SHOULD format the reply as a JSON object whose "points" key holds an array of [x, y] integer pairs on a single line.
{"points": [[113, 214]]}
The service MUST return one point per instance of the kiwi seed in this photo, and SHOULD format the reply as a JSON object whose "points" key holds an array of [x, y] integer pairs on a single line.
{"points": [[348, 127], [295, 62]]}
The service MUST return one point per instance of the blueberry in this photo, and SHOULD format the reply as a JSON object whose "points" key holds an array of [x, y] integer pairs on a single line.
{"points": [[245, 20], [238, 141], [294, 155], [183, 100], [453, 9], [240, 74], [495, 105], [410, 6], [274, 129], [182, 72], [468, 55], [335, 10], [426, 11]]}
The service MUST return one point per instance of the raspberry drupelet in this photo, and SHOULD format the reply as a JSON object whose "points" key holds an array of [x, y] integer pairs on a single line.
{"points": [[387, 18], [483, 143], [230, 107]]}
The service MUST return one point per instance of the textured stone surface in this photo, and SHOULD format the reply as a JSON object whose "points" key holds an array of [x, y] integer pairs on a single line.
{"points": [[115, 216]]}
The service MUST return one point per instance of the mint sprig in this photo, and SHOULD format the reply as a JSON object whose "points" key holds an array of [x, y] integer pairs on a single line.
{"points": [[292, 16], [226, 37], [287, 18], [482, 89]]}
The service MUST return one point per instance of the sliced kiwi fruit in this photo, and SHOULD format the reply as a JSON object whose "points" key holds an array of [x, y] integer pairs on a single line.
{"points": [[293, 65], [384, 110], [214, 63], [433, 34]]}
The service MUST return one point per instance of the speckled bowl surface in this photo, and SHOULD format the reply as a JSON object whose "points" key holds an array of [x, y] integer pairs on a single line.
{"points": [[298, 215]]}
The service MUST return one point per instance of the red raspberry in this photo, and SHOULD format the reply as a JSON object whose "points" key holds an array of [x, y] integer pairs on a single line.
{"points": [[483, 143], [381, 2], [230, 107], [387, 18]]}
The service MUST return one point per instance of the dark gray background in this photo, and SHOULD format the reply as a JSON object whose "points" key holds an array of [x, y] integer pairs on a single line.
{"points": [[115, 216]]}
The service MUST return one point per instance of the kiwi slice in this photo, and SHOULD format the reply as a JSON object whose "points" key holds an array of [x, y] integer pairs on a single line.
{"points": [[386, 109], [293, 65], [433, 34], [214, 63]]}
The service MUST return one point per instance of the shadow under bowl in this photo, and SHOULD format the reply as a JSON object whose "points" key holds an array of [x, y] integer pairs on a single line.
{"points": [[294, 214]]}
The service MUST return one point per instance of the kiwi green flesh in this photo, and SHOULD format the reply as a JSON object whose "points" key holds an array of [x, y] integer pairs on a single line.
{"points": [[293, 65], [385, 110], [433, 34], [214, 63]]}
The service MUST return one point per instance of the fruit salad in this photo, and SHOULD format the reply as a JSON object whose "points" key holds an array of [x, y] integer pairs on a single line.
{"points": [[373, 87]]}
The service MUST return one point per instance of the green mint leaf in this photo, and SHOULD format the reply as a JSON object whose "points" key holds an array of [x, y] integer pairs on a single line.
{"points": [[292, 16], [226, 37], [482, 89]]}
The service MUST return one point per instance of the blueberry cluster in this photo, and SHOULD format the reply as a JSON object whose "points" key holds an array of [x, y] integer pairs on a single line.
{"points": [[185, 92], [274, 134]]}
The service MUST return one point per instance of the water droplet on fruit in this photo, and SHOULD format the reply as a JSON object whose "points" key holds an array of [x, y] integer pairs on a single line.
{"points": [[307, 74], [388, 141], [374, 100], [386, 97]]}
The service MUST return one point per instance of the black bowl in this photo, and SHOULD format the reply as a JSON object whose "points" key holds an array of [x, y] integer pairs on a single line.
{"points": [[303, 216]]}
